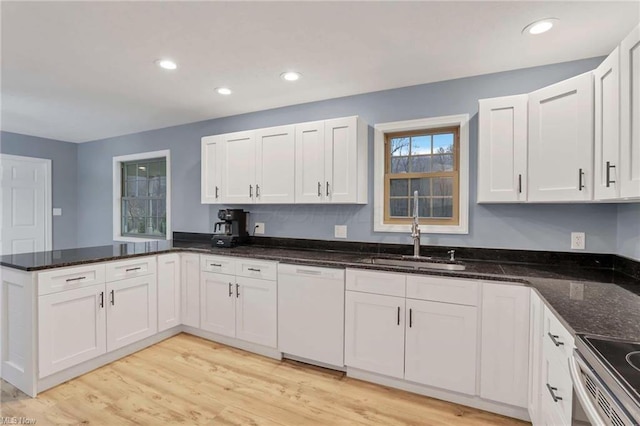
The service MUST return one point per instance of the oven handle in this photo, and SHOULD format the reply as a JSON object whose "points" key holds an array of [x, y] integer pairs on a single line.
{"points": [[575, 364]]}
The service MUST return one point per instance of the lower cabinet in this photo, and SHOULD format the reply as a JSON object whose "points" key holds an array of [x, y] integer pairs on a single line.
{"points": [[536, 309], [218, 303], [169, 292], [190, 289]]}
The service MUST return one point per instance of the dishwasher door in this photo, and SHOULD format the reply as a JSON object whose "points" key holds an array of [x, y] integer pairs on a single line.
{"points": [[311, 313]]}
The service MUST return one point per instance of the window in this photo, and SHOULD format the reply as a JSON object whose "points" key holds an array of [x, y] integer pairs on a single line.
{"points": [[142, 194], [430, 156], [425, 161]]}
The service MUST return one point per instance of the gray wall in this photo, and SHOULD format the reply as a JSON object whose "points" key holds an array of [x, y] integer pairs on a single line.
{"points": [[63, 156], [541, 227], [629, 230]]}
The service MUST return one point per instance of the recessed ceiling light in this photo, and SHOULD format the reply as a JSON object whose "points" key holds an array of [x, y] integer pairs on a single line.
{"points": [[290, 76], [540, 26], [167, 64], [223, 91]]}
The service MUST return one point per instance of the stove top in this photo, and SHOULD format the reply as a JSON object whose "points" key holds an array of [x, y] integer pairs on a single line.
{"points": [[622, 359]]}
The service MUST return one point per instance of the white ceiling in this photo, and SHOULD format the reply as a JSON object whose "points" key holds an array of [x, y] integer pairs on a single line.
{"points": [[80, 71]]}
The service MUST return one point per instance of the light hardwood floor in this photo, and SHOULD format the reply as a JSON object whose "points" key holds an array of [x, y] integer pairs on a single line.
{"points": [[188, 380]]}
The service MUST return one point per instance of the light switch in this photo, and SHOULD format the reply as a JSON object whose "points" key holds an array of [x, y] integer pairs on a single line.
{"points": [[340, 231], [57, 211]]}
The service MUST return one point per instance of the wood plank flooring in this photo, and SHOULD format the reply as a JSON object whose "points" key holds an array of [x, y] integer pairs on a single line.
{"points": [[188, 380]]}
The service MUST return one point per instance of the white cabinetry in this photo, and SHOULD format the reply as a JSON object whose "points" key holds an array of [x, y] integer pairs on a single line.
{"points": [[238, 170], [536, 310], [310, 153], [256, 311], [561, 141], [504, 367], [502, 149], [607, 128], [211, 169], [169, 291], [218, 304], [275, 162], [190, 289], [629, 174], [311, 313]]}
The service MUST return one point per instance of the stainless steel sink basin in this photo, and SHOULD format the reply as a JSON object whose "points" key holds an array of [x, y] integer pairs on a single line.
{"points": [[416, 264]]}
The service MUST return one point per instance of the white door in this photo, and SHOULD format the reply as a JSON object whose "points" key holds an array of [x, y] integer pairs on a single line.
{"points": [[607, 128], [168, 291], [341, 149], [275, 163], [502, 149], [630, 115], [310, 159], [257, 311], [218, 303], [505, 344], [190, 285], [561, 141], [374, 333], [25, 200], [238, 179], [211, 169], [535, 363], [441, 345], [71, 328], [132, 310]]}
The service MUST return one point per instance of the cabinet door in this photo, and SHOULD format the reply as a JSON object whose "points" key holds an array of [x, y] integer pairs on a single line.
{"points": [[374, 333], [310, 160], [340, 165], [607, 128], [71, 328], [561, 141], [238, 179], [630, 115], [504, 365], [441, 345], [502, 149], [168, 291], [256, 311], [275, 162], [132, 310], [218, 303], [535, 363], [190, 289], [211, 169]]}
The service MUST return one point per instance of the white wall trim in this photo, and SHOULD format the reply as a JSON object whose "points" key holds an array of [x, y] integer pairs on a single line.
{"points": [[117, 181], [461, 120], [48, 203]]}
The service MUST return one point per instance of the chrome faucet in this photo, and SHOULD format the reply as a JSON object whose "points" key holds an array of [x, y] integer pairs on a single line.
{"points": [[415, 227]]}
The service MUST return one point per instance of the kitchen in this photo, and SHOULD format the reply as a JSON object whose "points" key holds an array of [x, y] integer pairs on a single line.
{"points": [[84, 177]]}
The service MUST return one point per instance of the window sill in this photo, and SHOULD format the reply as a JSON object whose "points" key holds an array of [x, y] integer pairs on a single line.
{"points": [[425, 229], [121, 239]]}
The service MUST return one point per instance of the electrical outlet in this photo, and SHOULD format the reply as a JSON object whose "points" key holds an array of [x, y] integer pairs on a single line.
{"points": [[578, 241], [259, 228], [57, 211], [340, 231]]}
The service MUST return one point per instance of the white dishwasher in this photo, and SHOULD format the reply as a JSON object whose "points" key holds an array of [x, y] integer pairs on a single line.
{"points": [[311, 313]]}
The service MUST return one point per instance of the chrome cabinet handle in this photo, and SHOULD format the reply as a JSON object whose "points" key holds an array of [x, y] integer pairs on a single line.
{"points": [[230, 289], [410, 317], [319, 189], [554, 338], [580, 175], [553, 395], [101, 299], [217, 265], [133, 269], [113, 298], [237, 290], [609, 167], [216, 192], [257, 190], [520, 184], [250, 191], [75, 279], [253, 269], [327, 188], [398, 315]]}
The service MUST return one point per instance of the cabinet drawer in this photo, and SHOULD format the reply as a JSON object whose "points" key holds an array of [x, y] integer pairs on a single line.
{"points": [[259, 269], [448, 290], [558, 340], [556, 381], [130, 268], [218, 264], [70, 278], [385, 283]]}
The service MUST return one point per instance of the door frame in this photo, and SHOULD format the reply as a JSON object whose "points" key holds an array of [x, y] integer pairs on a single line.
{"points": [[48, 222]]}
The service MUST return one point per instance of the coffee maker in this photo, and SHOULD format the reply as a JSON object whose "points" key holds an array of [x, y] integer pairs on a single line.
{"points": [[232, 230]]}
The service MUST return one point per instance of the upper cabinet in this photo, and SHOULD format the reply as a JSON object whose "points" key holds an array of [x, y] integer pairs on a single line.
{"points": [[629, 174], [317, 162], [561, 141], [502, 149]]}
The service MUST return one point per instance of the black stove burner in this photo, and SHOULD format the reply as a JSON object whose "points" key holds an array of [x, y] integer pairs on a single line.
{"points": [[622, 358]]}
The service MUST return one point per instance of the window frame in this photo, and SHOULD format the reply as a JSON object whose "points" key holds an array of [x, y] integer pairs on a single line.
{"points": [[381, 131], [117, 194]]}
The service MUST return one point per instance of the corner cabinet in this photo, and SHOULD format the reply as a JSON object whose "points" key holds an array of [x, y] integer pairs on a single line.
{"points": [[629, 175]]}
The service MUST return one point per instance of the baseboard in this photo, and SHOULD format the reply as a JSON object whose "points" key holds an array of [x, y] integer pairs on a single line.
{"points": [[236, 343], [469, 401], [313, 362]]}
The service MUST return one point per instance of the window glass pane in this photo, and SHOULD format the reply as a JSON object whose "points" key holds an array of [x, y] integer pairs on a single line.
{"points": [[421, 145], [400, 165], [443, 143], [399, 207], [399, 187], [443, 186], [424, 207], [443, 207], [421, 164], [144, 208], [399, 147], [422, 185], [442, 163], [130, 170]]}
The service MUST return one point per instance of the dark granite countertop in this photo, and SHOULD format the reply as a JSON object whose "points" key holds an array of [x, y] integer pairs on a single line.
{"points": [[590, 296]]}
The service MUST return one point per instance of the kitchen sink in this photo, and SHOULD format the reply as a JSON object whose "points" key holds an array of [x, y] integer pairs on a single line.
{"points": [[415, 264]]}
